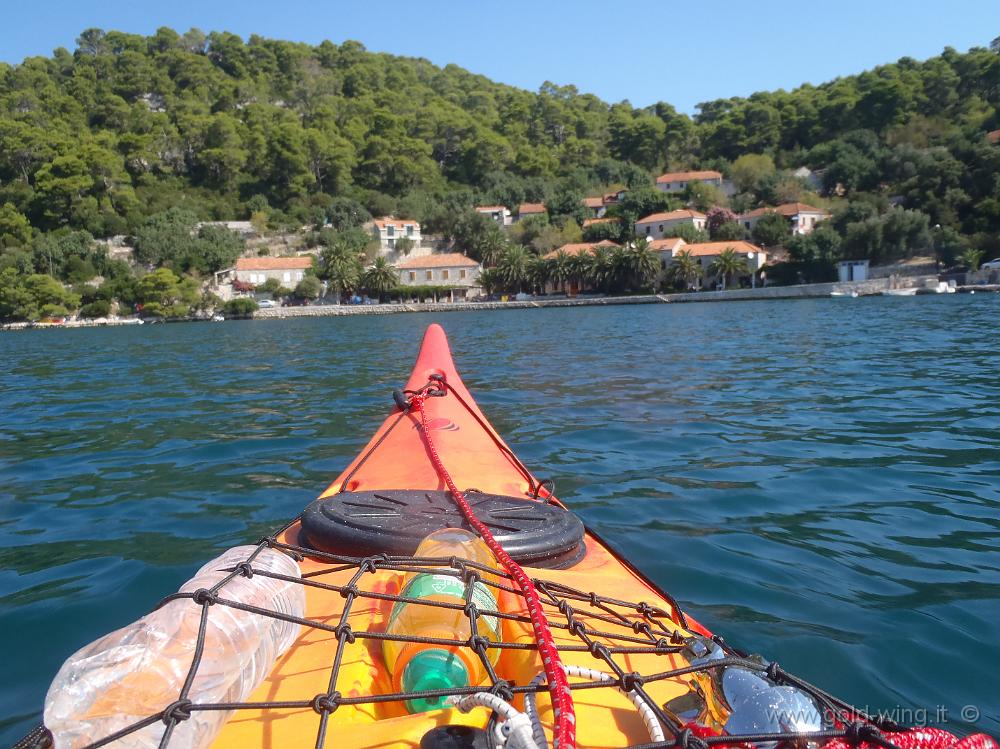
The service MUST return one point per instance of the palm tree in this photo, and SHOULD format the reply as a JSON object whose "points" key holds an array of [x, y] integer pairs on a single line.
{"points": [[513, 267], [640, 265], [490, 281], [341, 267], [539, 273], [971, 259], [381, 277], [728, 264], [686, 268], [560, 268], [600, 268], [492, 247]]}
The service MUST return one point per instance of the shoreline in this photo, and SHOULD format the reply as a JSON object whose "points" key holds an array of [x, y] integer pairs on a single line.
{"points": [[872, 287]]}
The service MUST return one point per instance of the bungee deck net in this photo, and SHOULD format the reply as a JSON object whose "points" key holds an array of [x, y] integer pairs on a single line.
{"points": [[607, 628]]}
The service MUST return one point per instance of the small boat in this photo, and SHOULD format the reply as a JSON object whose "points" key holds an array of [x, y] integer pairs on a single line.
{"points": [[844, 294], [591, 652], [218, 318], [911, 291]]}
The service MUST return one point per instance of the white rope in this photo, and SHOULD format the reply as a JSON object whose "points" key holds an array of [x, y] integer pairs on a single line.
{"points": [[525, 731]]}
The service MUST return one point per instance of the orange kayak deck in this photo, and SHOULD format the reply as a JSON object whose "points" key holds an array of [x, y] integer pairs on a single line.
{"points": [[637, 623]]}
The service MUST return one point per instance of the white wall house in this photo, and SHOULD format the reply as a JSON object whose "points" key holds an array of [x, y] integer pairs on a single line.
{"points": [[658, 225], [852, 270], [499, 213], [388, 230], [453, 270], [707, 252], [287, 270], [803, 218], [678, 181], [666, 249]]}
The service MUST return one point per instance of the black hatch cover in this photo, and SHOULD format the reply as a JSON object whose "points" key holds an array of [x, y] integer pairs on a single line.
{"points": [[536, 534]]}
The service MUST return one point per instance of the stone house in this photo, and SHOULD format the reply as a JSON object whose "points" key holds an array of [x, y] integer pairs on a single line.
{"points": [[451, 270]]}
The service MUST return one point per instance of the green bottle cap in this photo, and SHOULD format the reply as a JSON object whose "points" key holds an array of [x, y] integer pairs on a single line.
{"points": [[433, 668]]}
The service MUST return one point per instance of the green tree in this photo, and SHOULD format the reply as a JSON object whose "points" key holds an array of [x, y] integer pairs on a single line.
{"points": [[165, 237], [971, 259], [340, 266], [750, 170], [381, 277], [727, 265], [771, 230], [686, 269], [513, 268], [309, 287], [15, 230], [240, 307]]}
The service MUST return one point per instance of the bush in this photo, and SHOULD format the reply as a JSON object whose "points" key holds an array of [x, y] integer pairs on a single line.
{"points": [[98, 308], [241, 307]]}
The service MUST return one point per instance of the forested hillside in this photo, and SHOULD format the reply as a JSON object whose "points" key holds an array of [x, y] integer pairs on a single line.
{"points": [[106, 138]]}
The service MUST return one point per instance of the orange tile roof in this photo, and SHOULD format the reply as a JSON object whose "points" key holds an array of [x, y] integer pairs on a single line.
{"points": [[672, 216], [667, 244], [993, 137], [593, 202], [612, 197], [578, 248], [701, 249], [385, 221], [443, 260], [530, 208], [605, 220], [687, 176], [491, 208], [274, 263], [786, 209]]}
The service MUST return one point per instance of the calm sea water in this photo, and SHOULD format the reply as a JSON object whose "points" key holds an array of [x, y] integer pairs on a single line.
{"points": [[818, 481]]}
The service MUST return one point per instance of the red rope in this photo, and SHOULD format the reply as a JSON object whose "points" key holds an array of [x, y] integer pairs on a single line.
{"points": [[924, 738], [562, 699]]}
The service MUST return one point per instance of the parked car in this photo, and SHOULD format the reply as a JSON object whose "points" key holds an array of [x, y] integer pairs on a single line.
{"points": [[267, 304], [993, 264]]}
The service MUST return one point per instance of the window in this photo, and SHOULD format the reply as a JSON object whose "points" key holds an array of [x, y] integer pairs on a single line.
{"points": [[390, 230], [298, 276], [444, 275], [461, 273], [430, 275], [663, 265], [392, 244], [286, 277], [661, 228], [648, 230], [413, 275], [409, 230]]}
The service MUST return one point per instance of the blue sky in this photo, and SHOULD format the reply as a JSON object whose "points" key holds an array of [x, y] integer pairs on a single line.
{"points": [[642, 50]]}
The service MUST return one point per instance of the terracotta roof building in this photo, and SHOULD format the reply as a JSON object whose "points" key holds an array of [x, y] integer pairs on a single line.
{"points": [[678, 181], [530, 209], [993, 137], [658, 225], [287, 270], [388, 230], [802, 217], [578, 248], [452, 271]]}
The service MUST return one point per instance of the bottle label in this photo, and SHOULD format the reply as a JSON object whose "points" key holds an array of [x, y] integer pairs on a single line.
{"points": [[427, 585]]}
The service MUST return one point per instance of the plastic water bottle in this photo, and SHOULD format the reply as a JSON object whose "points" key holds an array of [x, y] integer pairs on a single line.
{"points": [[418, 666], [137, 671]]}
